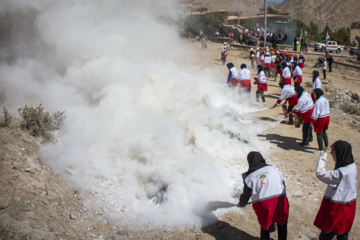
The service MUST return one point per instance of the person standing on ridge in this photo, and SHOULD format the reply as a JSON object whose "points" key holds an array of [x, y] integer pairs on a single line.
{"points": [[265, 186]]}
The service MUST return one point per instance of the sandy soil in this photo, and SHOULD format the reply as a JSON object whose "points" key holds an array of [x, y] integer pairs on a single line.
{"points": [[37, 204]]}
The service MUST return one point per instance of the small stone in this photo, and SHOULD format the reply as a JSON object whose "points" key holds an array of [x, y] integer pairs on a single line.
{"points": [[72, 216]]}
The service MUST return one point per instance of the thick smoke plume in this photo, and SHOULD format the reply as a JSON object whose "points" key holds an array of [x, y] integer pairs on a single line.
{"points": [[148, 133]]}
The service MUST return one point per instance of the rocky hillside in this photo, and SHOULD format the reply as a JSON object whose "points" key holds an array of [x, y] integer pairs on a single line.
{"points": [[339, 13], [247, 7]]}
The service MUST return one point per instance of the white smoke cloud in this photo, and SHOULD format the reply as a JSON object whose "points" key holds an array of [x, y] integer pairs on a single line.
{"points": [[146, 131]]}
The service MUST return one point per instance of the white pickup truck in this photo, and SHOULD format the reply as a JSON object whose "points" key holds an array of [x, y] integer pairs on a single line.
{"points": [[328, 46]]}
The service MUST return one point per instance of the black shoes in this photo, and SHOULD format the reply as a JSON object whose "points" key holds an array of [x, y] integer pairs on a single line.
{"points": [[304, 144]]}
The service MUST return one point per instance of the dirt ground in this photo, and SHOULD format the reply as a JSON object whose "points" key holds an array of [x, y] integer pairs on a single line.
{"points": [[37, 204]]}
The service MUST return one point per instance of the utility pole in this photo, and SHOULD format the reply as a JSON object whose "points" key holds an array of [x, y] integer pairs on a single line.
{"points": [[238, 12], [265, 21], [302, 11], [320, 16]]}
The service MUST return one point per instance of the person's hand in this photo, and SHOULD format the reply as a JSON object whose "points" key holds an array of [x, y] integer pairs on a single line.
{"points": [[327, 150]]}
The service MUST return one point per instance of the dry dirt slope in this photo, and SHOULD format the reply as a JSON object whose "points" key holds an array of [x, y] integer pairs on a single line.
{"points": [[339, 13]]}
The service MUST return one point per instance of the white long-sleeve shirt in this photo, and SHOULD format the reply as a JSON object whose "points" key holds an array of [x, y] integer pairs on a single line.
{"points": [[332, 177], [268, 59], [243, 74], [286, 92], [321, 108], [258, 54], [324, 65], [316, 84], [286, 72], [261, 77], [297, 71], [305, 103]]}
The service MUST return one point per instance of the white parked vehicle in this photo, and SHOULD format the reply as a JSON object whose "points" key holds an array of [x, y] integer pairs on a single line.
{"points": [[330, 46]]}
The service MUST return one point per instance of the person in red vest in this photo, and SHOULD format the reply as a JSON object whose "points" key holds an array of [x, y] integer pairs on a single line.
{"points": [[287, 93], [265, 185], [231, 36], [337, 210]]}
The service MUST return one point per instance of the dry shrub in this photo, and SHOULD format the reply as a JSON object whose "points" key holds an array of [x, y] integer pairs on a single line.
{"points": [[39, 122], [6, 119], [349, 108]]}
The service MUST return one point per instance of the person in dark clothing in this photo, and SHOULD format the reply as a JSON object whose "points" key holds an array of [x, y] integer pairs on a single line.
{"points": [[295, 40], [264, 184], [330, 59]]}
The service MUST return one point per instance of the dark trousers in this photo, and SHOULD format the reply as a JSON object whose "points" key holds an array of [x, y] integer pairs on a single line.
{"points": [[252, 63], [276, 73], [291, 117], [329, 236], [324, 72], [307, 133], [321, 138], [258, 94], [267, 72], [282, 232], [330, 66]]}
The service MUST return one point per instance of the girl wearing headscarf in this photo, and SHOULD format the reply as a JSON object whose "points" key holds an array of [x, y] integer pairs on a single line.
{"points": [[337, 211], [232, 76], [320, 119], [316, 83], [288, 92], [301, 61], [260, 81], [244, 79], [286, 74], [304, 107], [297, 74], [264, 184]]}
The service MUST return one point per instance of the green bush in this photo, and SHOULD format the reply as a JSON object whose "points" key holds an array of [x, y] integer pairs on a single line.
{"points": [[6, 119], [39, 122]]}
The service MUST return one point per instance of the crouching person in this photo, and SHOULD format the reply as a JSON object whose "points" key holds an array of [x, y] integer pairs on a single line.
{"points": [[265, 186]]}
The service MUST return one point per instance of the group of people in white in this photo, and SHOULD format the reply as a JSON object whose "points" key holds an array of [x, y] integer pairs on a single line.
{"points": [[264, 183]]}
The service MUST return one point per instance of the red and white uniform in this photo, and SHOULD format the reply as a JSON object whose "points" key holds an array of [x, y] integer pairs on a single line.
{"points": [[268, 196], [231, 35], [244, 78], [252, 56], [321, 114], [289, 94], [273, 59], [233, 79], [257, 56], [316, 84], [301, 62], [337, 210], [297, 75], [267, 61], [262, 59], [305, 106], [261, 82], [286, 75]]}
